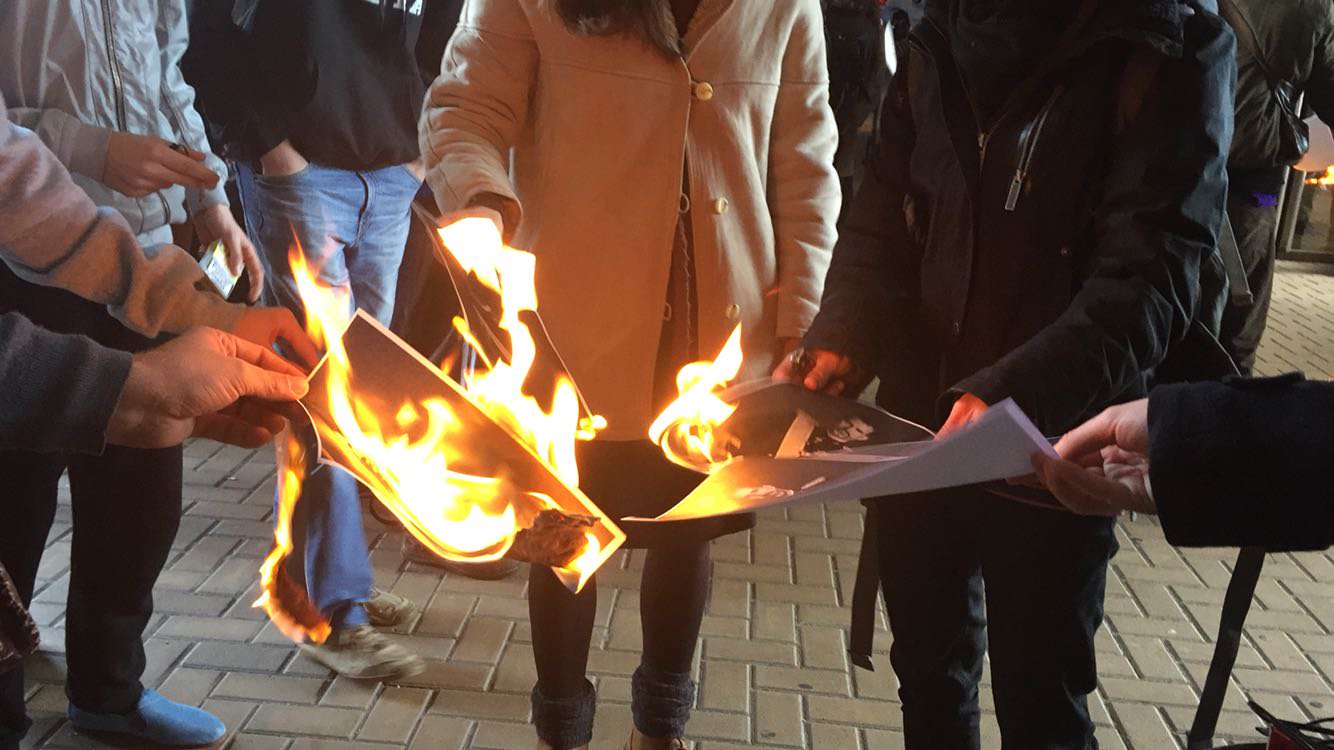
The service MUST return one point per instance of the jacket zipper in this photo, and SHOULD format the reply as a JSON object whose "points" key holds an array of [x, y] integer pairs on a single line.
{"points": [[1028, 145], [117, 85]]}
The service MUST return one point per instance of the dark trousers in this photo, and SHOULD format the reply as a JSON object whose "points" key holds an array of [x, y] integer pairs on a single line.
{"points": [[965, 572], [126, 508], [1244, 325]]}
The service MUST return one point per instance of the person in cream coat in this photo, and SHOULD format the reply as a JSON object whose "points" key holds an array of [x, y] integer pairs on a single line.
{"points": [[670, 162]]}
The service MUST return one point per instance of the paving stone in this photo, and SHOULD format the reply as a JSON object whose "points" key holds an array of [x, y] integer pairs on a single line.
{"points": [[313, 720], [269, 687], [395, 714], [441, 733]]}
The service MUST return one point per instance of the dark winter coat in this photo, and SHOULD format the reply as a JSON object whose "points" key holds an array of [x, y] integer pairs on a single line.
{"points": [[1052, 256], [1244, 463]]}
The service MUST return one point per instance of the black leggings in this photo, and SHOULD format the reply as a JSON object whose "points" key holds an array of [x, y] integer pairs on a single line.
{"points": [[673, 591]]}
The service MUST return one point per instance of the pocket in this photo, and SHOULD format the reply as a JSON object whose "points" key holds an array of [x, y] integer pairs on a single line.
{"points": [[415, 179], [284, 179]]}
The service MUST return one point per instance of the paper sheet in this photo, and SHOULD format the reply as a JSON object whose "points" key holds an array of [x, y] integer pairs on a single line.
{"points": [[998, 446]]}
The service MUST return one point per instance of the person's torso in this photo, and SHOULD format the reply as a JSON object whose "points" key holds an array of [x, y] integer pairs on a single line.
{"points": [[349, 72], [598, 167], [101, 62], [1288, 33]]}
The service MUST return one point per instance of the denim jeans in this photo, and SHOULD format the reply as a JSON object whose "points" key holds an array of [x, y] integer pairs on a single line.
{"points": [[1044, 571], [351, 228]]}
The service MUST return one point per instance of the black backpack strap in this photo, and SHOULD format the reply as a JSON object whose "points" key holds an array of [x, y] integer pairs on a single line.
{"points": [[865, 593], [1236, 605]]}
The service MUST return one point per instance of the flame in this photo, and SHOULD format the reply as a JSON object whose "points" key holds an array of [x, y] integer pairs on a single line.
{"points": [[1323, 180], [407, 458], [687, 429]]}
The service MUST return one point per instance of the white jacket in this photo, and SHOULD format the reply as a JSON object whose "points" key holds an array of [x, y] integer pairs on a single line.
{"points": [[600, 128], [75, 70]]}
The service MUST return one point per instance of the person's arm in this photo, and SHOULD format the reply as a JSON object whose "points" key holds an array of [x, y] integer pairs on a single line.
{"points": [[803, 189], [52, 234], [60, 391], [872, 283], [1158, 220], [1243, 463], [178, 103], [80, 146], [476, 108]]}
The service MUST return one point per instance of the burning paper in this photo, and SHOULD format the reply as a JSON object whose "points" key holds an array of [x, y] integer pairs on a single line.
{"points": [[469, 469]]}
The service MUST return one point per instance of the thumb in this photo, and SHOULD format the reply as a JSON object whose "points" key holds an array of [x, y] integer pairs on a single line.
{"points": [[268, 385]]}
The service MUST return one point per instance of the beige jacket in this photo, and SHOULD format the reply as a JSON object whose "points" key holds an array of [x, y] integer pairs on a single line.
{"points": [[600, 128]]}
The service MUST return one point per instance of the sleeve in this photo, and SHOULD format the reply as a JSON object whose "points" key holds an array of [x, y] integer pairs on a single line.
{"points": [[52, 234], [803, 190], [178, 102], [81, 147], [1241, 463], [476, 107], [1158, 220], [232, 86], [1320, 86], [872, 284], [60, 390]]}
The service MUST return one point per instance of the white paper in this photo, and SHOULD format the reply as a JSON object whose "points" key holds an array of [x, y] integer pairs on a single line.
{"points": [[999, 445]]}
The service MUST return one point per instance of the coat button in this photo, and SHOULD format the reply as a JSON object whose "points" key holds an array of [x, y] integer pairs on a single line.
{"points": [[1065, 251], [957, 328], [720, 206], [703, 91], [685, 203], [733, 311]]}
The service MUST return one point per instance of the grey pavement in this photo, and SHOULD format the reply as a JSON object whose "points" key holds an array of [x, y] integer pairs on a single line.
{"points": [[772, 666]]}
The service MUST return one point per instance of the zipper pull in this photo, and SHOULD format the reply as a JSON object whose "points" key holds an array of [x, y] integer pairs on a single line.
{"points": [[1016, 185]]}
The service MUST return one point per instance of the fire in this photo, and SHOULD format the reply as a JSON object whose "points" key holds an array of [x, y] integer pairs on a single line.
{"points": [[1323, 180], [687, 429], [407, 455]]}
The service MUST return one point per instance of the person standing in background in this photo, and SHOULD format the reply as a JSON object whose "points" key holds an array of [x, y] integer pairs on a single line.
{"points": [[1287, 45], [317, 103], [99, 83]]}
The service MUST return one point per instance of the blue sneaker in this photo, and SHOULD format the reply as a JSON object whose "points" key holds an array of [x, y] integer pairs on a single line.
{"points": [[155, 719]]}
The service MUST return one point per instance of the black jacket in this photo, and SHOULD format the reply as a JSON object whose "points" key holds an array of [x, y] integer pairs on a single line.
{"points": [[1244, 463], [1056, 258], [341, 79]]}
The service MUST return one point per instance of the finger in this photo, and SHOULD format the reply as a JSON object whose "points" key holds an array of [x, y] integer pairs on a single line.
{"points": [[270, 415], [784, 372], [256, 269], [836, 387], [1079, 490], [299, 343], [186, 170], [235, 256], [1090, 437], [260, 356], [820, 373]]}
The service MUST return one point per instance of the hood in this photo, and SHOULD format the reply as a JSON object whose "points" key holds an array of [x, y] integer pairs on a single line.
{"points": [[1156, 23]]}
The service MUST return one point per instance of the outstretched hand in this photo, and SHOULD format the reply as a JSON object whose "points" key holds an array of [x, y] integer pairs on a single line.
{"points": [[1104, 464], [204, 383], [820, 370]]}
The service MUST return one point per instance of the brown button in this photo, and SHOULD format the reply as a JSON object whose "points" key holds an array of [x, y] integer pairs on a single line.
{"points": [[1065, 251], [720, 206], [703, 91], [957, 328], [685, 203], [733, 311]]}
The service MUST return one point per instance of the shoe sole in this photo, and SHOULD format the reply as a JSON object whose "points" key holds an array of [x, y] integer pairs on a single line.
{"points": [[377, 672]]}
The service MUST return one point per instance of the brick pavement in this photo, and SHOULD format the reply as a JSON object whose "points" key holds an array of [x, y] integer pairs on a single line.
{"points": [[772, 667]]}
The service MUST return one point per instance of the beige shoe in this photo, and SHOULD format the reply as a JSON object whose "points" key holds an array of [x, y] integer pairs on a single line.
{"points": [[364, 654], [640, 741], [386, 609]]}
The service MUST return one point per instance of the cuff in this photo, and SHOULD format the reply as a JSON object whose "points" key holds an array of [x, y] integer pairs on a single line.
{"points": [[87, 153], [206, 308]]}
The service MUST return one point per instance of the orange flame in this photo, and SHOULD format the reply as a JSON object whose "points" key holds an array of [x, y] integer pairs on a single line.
{"points": [[1323, 180], [407, 457], [687, 429]]}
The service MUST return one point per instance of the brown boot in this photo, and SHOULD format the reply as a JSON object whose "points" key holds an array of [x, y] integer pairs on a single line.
{"points": [[640, 741]]}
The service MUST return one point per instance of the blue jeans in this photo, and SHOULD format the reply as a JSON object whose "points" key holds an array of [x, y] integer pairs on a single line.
{"points": [[351, 227]]}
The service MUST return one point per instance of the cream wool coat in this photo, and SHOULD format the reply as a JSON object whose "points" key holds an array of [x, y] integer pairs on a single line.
{"points": [[600, 128]]}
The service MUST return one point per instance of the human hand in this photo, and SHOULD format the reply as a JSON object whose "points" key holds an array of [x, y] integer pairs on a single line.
{"points": [[967, 409], [216, 223], [417, 168], [1103, 467], [201, 384], [455, 223], [282, 160], [137, 165], [823, 371], [267, 326]]}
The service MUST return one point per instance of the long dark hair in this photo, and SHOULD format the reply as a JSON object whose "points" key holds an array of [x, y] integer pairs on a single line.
{"points": [[650, 19]]}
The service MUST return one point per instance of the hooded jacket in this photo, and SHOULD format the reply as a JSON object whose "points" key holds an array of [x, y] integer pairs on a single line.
{"points": [[80, 69], [1045, 251]]}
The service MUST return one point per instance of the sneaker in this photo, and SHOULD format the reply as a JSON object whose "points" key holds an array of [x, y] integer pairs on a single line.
{"points": [[364, 654], [386, 609], [413, 551], [155, 719]]}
